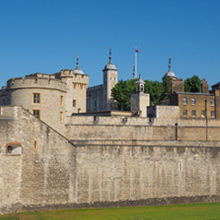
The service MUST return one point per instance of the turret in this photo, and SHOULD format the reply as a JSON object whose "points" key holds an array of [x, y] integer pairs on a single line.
{"points": [[140, 100]]}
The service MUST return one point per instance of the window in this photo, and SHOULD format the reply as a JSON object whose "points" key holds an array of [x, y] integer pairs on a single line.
{"points": [[184, 101], [61, 117], [36, 113], [3, 102], [193, 113], [61, 100], [35, 144], [36, 98], [13, 148], [212, 102], [193, 101], [212, 114], [203, 114], [185, 113], [74, 103]]}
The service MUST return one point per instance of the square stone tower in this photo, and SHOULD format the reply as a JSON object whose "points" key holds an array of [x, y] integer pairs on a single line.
{"points": [[110, 79]]}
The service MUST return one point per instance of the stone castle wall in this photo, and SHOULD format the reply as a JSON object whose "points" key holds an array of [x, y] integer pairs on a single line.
{"points": [[95, 99], [148, 171], [101, 170], [45, 169], [37, 81], [136, 128]]}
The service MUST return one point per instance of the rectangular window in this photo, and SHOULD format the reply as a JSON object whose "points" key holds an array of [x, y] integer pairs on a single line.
{"points": [[61, 117], [193, 113], [3, 102], [193, 101], [36, 98], [36, 113], [185, 113], [203, 114], [212, 102], [74, 103], [35, 144], [184, 101], [212, 114], [61, 100]]}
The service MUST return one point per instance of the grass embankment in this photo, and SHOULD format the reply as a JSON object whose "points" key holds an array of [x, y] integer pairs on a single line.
{"points": [[210, 211]]}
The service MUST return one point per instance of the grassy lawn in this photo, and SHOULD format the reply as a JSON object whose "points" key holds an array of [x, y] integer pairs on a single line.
{"points": [[208, 211]]}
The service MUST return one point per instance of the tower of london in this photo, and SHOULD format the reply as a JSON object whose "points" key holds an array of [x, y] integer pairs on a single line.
{"points": [[63, 144]]}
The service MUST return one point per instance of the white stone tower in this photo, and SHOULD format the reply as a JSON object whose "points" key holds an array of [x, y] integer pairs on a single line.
{"points": [[110, 79], [140, 100]]}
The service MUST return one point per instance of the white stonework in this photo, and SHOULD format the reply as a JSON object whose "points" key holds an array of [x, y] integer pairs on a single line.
{"points": [[99, 97]]}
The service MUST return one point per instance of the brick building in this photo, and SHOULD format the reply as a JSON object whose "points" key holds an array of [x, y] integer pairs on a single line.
{"points": [[193, 105]]}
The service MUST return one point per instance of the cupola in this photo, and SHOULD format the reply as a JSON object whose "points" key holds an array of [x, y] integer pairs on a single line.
{"points": [[140, 84], [170, 73], [110, 65], [77, 70]]}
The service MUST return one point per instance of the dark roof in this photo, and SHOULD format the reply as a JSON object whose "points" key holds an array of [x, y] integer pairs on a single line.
{"points": [[217, 84], [191, 93]]}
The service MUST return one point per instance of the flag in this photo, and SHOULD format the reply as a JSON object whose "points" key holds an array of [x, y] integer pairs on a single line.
{"points": [[137, 51]]}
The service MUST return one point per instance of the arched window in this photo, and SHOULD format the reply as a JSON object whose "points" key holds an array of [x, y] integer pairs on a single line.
{"points": [[13, 148], [141, 88]]}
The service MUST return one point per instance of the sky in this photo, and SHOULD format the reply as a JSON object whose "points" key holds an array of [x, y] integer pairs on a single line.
{"points": [[46, 35]]}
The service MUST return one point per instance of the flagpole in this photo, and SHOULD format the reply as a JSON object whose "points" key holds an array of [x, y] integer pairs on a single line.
{"points": [[135, 63]]}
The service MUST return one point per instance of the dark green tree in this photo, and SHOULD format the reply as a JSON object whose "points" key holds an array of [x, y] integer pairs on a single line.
{"points": [[122, 93], [192, 84], [155, 89], [166, 88], [124, 89]]}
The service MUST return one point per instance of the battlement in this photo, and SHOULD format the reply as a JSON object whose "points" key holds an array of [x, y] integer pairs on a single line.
{"points": [[36, 80], [95, 87], [76, 77]]}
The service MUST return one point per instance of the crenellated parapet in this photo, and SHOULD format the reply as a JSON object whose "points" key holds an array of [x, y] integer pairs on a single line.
{"points": [[36, 80], [93, 88], [75, 77]]}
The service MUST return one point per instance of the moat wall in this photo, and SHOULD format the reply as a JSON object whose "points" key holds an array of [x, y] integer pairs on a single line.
{"points": [[61, 174]]}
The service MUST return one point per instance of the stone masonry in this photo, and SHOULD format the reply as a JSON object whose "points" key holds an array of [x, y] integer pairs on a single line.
{"points": [[94, 166]]}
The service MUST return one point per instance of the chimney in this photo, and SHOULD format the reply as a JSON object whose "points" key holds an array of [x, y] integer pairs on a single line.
{"points": [[205, 86], [177, 85]]}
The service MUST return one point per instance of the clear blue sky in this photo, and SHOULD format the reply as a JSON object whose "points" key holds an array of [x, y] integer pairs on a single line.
{"points": [[45, 36]]}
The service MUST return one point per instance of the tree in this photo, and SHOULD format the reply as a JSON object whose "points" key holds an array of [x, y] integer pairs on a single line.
{"points": [[124, 89], [122, 93], [155, 89], [192, 84], [166, 87]]}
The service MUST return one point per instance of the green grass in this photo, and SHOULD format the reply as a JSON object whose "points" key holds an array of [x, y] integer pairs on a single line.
{"points": [[208, 211]]}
